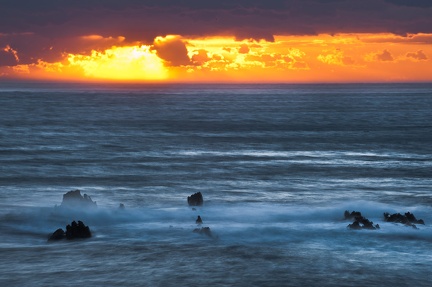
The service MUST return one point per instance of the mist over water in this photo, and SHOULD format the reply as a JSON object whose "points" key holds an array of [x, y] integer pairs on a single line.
{"points": [[277, 165]]}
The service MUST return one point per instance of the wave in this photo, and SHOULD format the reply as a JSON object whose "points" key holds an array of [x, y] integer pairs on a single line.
{"points": [[246, 222]]}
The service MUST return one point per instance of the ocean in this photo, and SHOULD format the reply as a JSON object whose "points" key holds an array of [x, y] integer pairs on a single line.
{"points": [[277, 166]]}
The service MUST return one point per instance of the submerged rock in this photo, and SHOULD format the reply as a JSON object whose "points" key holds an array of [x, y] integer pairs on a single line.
{"points": [[203, 231], [408, 219], [198, 220], [74, 198], [195, 199], [360, 222]]}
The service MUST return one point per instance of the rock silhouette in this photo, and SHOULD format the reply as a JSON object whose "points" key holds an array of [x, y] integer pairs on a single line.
{"points": [[77, 230], [198, 220], [58, 234], [73, 231], [360, 222], [408, 219], [74, 198], [195, 199]]}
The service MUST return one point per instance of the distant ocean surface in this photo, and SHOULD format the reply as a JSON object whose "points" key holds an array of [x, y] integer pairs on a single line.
{"points": [[277, 165]]}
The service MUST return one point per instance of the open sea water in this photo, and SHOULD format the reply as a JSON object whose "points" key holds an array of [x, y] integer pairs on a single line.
{"points": [[277, 165]]}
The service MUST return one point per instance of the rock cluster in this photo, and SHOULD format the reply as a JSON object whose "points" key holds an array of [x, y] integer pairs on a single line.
{"points": [[80, 230], [196, 199], [408, 219], [360, 222], [73, 231]]}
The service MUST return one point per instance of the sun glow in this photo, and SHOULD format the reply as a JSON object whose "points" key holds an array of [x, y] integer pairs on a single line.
{"points": [[311, 58], [121, 63]]}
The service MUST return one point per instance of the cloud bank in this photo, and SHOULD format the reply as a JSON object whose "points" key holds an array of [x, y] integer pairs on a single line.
{"points": [[40, 32]]}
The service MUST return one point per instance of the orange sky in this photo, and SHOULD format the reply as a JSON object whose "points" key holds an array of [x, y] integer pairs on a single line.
{"points": [[322, 58]]}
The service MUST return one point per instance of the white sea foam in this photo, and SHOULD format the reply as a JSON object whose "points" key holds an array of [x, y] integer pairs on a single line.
{"points": [[230, 223]]}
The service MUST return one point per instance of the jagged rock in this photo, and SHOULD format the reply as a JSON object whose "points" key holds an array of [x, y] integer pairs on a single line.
{"points": [[408, 219], [74, 198], [413, 219], [73, 231], [77, 230], [195, 199], [203, 231], [198, 220], [354, 225], [360, 222], [58, 234]]}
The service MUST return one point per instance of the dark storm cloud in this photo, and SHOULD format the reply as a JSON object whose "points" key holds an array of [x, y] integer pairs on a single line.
{"points": [[46, 29], [173, 51]]}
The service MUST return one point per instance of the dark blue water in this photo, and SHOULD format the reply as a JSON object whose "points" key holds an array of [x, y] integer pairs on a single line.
{"points": [[277, 165]]}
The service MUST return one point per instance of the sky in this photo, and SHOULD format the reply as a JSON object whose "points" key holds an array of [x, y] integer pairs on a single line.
{"points": [[289, 41]]}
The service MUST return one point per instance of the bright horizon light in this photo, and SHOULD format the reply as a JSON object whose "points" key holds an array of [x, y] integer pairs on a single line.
{"points": [[357, 57], [121, 63]]}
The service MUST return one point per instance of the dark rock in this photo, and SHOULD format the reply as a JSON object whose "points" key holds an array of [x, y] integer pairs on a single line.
{"points": [[203, 231], [195, 199], [354, 225], [407, 219], [360, 222], [198, 220], [58, 234], [121, 206], [73, 231], [411, 218], [77, 230], [367, 224], [74, 198], [396, 217]]}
